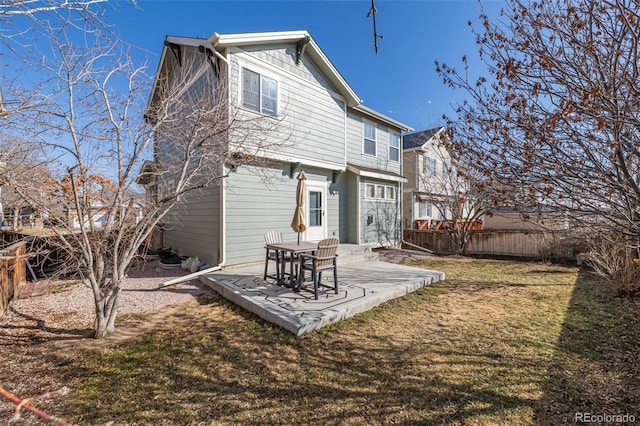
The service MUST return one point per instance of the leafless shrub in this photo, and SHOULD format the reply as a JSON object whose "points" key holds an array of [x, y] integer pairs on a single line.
{"points": [[616, 263], [560, 246]]}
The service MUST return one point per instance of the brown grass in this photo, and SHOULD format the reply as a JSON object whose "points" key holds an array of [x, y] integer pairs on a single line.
{"points": [[496, 343]]}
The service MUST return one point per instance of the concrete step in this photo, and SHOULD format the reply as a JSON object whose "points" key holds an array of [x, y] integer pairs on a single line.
{"points": [[353, 253]]}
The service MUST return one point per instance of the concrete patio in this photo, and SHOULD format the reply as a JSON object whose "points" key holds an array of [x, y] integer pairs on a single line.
{"points": [[362, 286]]}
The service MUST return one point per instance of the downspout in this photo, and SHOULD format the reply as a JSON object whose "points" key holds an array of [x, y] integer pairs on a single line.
{"points": [[358, 217], [222, 233]]}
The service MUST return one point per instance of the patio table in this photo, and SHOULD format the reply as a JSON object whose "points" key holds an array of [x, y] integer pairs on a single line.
{"points": [[294, 249]]}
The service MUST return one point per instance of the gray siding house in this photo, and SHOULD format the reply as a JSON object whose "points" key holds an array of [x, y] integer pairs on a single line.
{"points": [[350, 154]]}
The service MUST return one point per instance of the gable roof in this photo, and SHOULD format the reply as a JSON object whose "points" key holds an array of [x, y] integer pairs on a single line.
{"points": [[419, 139], [307, 46], [315, 53], [311, 49], [169, 43]]}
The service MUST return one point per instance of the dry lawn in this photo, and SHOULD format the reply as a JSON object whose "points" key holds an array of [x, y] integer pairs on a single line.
{"points": [[496, 343]]}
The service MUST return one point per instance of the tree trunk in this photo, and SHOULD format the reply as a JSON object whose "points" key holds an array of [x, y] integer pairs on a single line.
{"points": [[106, 312]]}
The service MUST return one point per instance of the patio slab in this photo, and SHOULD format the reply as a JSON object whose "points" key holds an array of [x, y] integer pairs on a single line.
{"points": [[362, 286]]}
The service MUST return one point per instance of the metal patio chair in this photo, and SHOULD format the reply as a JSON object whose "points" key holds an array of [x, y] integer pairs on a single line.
{"points": [[324, 259]]}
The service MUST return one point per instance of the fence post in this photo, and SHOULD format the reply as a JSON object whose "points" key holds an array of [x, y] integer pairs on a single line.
{"points": [[13, 273]]}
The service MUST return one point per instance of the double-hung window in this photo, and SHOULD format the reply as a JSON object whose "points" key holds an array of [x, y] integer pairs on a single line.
{"points": [[429, 166], [394, 147], [369, 138], [259, 93], [424, 209]]}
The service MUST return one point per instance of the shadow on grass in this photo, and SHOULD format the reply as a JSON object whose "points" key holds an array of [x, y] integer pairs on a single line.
{"points": [[290, 383], [20, 334], [412, 361], [240, 370], [596, 365]]}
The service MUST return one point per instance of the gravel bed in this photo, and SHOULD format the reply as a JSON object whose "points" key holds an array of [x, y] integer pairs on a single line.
{"points": [[69, 308]]}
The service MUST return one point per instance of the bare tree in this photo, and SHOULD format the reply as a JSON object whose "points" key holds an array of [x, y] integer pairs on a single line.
{"points": [[449, 189], [10, 8], [558, 113], [87, 113], [382, 221], [22, 171]]}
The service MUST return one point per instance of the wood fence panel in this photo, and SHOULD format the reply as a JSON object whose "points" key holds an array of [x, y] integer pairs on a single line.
{"points": [[518, 243], [6, 290], [13, 273]]}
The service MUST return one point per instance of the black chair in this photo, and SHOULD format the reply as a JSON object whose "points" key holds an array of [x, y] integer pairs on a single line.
{"points": [[325, 258]]}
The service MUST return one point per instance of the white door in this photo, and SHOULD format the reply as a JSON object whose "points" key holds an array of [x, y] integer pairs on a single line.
{"points": [[316, 211]]}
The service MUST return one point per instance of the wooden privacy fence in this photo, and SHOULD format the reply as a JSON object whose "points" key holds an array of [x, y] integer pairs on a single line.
{"points": [[13, 273], [517, 243]]}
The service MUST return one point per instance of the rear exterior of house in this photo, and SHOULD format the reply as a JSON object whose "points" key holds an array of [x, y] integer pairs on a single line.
{"points": [[351, 155]]}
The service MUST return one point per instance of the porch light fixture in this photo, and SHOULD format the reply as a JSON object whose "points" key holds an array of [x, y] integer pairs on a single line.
{"points": [[335, 175]]}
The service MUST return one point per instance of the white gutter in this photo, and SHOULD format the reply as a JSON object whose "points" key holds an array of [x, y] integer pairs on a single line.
{"points": [[381, 117], [375, 175], [307, 161]]}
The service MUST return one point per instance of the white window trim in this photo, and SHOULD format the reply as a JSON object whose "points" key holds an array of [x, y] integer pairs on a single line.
{"points": [[375, 192], [261, 72], [375, 126], [428, 209], [427, 161], [398, 147]]}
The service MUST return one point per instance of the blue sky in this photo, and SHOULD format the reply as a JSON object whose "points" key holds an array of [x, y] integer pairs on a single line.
{"points": [[400, 81]]}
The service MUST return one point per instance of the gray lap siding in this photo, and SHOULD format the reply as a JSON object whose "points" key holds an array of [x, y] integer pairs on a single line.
{"points": [[263, 199], [194, 228]]}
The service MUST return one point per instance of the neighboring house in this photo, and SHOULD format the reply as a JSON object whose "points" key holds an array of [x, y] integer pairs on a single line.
{"points": [[529, 218], [350, 154], [427, 165], [100, 196], [96, 216]]}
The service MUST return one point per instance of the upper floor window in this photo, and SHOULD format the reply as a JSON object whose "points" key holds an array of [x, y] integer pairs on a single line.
{"points": [[369, 138], [429, 166], [394, 147], [259, 93]]}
